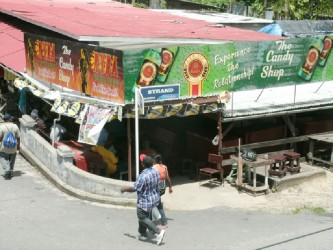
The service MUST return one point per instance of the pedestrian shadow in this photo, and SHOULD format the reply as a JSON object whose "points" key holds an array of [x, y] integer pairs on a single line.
{"points": [[130, 236], [18, 173], [210, 184]]}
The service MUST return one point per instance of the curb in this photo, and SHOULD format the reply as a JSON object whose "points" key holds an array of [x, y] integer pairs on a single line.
{"points": [[70, 190]]}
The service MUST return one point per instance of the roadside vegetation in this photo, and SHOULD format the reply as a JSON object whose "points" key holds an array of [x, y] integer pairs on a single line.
{"points": [[282, 9], [314, 210]]}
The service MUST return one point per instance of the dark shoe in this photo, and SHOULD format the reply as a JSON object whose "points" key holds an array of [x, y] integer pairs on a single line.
{"points": [[7, 175]]}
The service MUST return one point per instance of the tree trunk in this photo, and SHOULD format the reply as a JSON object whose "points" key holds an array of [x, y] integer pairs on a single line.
{"points": [[286, 10], [231, 6]]}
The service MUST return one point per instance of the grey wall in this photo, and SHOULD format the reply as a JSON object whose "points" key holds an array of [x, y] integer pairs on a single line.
{"points": [[57, 166]]}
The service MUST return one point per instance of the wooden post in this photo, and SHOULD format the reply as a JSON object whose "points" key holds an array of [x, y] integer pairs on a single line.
{"points": [[220, 147], [240, 167], [220, 133], [129, 147]]}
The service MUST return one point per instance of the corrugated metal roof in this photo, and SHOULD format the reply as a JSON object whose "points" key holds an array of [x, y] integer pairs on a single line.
{"points": [[11, 47], [303, 28], [285, 99], [101, 20], [215, 17], [299, 28]]}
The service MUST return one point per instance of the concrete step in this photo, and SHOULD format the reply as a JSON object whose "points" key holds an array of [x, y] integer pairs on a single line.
{"points": [[306, 173]]}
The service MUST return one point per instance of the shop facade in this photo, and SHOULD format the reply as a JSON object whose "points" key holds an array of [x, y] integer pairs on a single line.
{"points": [[186, 89]]}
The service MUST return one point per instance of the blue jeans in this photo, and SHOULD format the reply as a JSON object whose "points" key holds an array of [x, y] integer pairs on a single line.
{"points": [[145, 222], [164, 220], [7, 161]]}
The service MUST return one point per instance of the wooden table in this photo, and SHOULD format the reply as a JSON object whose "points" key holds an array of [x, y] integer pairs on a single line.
{"points": [[251, 184], [325, 137]]}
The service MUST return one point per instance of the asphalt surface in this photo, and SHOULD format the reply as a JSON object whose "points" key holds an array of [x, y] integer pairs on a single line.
{"points": [[36, 215]]}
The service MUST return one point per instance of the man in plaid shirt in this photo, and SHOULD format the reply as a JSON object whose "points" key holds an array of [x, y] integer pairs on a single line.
{"points": [[146, 187]]}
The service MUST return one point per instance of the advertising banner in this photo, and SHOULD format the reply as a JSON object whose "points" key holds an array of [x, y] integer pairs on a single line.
{"points": [[211, 69], [92, 124], [91, 70], [178, 72]]}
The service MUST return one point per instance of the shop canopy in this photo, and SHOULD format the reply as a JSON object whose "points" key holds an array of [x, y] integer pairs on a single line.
{"points": [[208, 61], [172, 79], [118, 26]]}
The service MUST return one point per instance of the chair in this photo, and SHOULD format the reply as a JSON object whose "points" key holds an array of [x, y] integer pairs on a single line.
{"points": [[278, 167], [211, 171], [293, 164]]}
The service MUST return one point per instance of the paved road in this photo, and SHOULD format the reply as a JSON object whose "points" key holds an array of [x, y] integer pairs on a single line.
{"points": [[36, 215]]}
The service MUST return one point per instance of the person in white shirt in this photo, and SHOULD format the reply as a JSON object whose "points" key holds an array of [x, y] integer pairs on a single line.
{"points": [[57, 132]]}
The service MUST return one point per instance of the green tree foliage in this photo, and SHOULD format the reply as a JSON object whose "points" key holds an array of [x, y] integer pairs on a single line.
{"points": [[294, 9], [141, 4], [283, 9], [219, 4]]}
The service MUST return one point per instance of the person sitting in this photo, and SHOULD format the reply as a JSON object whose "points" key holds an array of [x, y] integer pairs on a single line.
{"points": [[103, 137], [41, 127], [57, 132], [110, 144], [109, 159]]}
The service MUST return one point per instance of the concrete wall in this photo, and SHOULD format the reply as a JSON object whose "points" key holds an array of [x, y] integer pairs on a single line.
{"points": [[57, 166]]}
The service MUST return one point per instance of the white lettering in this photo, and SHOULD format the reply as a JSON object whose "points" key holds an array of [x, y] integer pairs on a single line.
{"points": [[230, 79], [222, 59], [268, 71], [66, 65], [101, 88], [271, 57], [160, 91], [283, 46], [63, 77], [65, 50]]}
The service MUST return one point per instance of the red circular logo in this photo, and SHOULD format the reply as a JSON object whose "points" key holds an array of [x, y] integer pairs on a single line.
{"points": [[148, 71], [195, 68], [312, 56], [327, 44], [166, 58]]}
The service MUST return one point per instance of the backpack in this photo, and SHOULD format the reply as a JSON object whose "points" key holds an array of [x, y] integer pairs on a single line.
{"points": [[10, 140]]}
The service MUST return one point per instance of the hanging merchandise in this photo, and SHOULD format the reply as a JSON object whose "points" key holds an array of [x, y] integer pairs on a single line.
{"points": [[82, 113], [215, 141], [155, 112], [60, 106], [173, 110], [93, 122], [9, 76], [23, 101], [192, 109]]}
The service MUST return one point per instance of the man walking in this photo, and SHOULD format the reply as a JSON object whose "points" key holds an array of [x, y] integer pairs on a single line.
{"points": [[146, 187], [8, 148]]}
